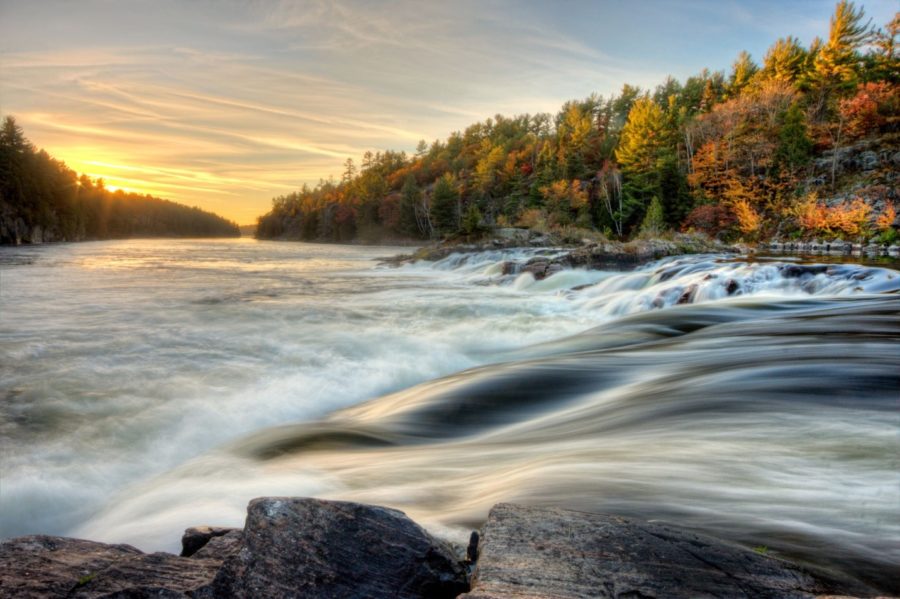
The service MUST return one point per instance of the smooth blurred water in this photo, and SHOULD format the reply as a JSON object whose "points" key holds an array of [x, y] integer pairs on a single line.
{"points": [[152, 385]]}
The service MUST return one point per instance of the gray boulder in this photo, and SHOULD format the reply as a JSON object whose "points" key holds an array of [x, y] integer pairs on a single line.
{"points": [[298, 547], [539, 553]]}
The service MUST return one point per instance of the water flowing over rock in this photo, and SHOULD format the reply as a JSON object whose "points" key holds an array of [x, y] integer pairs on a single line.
{"points": [[297, 547], [751, 400], [539, 553]]}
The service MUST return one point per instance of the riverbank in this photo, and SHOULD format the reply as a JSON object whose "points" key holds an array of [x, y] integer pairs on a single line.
{"points": [[603, 254], [300, 547], [586, 253]]}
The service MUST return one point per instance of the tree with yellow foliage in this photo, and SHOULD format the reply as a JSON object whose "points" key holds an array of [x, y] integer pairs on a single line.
{"points": [[785, 61], [838, 62], [644, 147]]}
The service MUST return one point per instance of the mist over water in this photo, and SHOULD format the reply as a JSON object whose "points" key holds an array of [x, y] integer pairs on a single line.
{"points": [[152, 385]]}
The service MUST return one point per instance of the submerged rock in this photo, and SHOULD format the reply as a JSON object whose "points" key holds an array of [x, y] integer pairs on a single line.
{"points": [[539, 553], [795, 271], [298, 547]]}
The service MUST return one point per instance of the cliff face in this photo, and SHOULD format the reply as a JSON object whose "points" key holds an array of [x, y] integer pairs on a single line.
{"points": [[867, 169]]}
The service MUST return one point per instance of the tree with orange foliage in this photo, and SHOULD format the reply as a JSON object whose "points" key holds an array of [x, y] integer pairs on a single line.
{"points": [[566, 202], [872, 107], [748, 219], [848, 218], [886, 219]]}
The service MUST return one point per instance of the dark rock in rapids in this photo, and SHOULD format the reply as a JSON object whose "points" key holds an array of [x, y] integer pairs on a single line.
{"points": [[687, 296], [472, 548], [539, 553], [45, 566], [794, 271], [298, 547], [197, 537], [537, 267], [509, 268]]}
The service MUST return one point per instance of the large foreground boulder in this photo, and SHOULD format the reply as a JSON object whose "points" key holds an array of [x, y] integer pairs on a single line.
{"points": [[298, 547], [543, 553], [45, 566]]}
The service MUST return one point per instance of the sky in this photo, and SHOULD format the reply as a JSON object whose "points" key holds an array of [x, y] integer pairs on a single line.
{"points": [[225, 104]]}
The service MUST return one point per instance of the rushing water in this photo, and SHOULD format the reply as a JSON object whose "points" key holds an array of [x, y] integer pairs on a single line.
{"points": [[152, 385]]}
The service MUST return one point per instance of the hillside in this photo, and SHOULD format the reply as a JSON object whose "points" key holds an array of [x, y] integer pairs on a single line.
{"points": [[805, 144]]}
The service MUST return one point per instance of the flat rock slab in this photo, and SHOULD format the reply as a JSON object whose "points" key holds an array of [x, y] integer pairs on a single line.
{"points": [[196, 538], [46, 566], [544, 553], [299, 547], [221, 547]]}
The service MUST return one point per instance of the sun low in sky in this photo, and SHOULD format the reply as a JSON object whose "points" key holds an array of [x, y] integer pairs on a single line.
{"points": [[225, 104]]}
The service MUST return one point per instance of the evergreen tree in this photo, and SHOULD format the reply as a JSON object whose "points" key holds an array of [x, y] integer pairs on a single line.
{"points": [[643, 148], [785, 61], [622, 104], [349, 171], [654, 221], [742, 71], [794, 145], [643, 137], [472, 222], [14, 153], [410, 199], [837, 63], [445, 205], [884, 61]]}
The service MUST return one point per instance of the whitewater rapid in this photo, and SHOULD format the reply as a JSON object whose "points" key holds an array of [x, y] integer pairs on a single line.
{"points": [[152, 385]]}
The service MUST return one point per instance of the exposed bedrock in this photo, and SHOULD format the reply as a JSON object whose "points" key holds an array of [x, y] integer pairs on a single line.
{"points": [[300, 547]]}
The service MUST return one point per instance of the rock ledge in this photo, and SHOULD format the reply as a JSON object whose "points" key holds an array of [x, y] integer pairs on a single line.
{"points": [[299, 547]]}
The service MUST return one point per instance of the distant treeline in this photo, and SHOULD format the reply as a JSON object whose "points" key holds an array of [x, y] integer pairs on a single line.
{"points": [[761, 151], [41, 199]]}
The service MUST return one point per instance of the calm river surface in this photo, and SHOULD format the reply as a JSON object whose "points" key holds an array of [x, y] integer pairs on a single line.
{"points": [[150, 385]]}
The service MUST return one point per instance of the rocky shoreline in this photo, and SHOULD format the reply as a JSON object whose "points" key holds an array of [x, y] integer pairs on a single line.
{"points": [[834, 247], [301, 547], [602, 254], [617, 255]]}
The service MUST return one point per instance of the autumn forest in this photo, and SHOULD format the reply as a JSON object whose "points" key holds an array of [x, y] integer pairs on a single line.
{"points": [[803, 144]]}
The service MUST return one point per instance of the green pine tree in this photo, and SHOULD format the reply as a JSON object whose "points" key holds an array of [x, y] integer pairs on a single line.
{"points": [[444, 205]]}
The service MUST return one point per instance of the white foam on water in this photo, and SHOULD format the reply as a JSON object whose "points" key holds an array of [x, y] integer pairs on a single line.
{"points": [[127, 366]]}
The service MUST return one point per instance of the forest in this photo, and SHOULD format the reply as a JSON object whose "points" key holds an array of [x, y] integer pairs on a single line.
{"points": [[803, 144], [41, 199]]}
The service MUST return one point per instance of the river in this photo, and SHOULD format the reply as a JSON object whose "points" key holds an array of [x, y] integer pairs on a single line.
{"points": [[150, 385]]}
